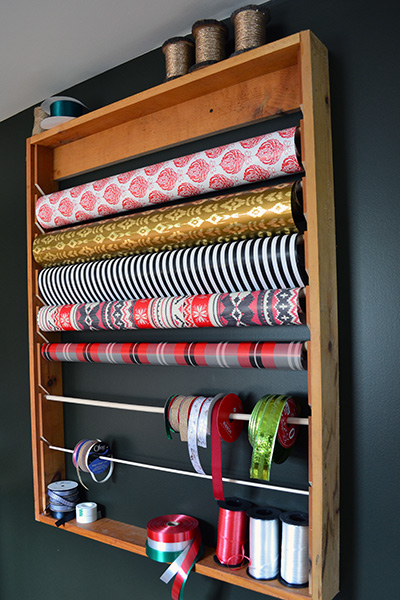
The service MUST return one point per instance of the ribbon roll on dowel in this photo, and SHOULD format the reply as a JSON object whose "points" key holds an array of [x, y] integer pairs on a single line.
{"points": [[269, 307], [250, 214], [261, 264], [270, 435], [252, 355], [88, 457], [195, 418], [175, 539], [247, 161]]}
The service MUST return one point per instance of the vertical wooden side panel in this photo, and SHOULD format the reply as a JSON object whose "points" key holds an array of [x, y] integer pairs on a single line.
{"points": [[322, 311], [47, 419]]}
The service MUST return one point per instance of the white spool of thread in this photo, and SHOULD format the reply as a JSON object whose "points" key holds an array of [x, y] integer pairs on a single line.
{"points": [[294, 552], [264, 542], [86, 512]]}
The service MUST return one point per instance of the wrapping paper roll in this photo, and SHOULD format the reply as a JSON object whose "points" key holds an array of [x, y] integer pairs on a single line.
{"points": [[255, 159], [253, 355], [264, 263], [269, 307], [244, 215]]}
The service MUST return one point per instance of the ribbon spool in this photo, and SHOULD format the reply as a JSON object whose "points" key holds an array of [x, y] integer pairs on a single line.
{"points": [[250, 24], [294, 551], [87, 458], [86, 512], [195, 418], [270, 435], [232, 531], [179, 56], [210, 37], [61, 109], [264, 546], [63, 497], [174, 539]]}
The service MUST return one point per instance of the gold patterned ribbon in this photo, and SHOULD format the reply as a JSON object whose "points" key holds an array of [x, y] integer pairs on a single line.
{"points": [[263, 429], [261, 212]]}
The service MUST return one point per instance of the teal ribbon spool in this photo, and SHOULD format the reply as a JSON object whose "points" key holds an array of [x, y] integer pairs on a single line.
{"points": [[66, 108]]}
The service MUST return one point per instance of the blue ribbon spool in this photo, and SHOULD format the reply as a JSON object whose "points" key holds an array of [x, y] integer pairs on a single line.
{"points": [[61, 109], [66, 108]]}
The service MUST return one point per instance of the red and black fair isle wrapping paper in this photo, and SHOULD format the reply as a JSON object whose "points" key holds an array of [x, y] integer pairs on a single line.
{"points": [[266, 307], [252, 355], [247, 161], [259, 264]]}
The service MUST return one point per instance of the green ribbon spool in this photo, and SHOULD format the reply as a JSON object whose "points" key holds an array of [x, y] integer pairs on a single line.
{"points": [[66, 108], [263, 429], [168, 427]]}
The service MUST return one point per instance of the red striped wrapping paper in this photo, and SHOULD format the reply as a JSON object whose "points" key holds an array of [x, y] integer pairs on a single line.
{"points": [[256, 355], [262, 307], [247, 161]]}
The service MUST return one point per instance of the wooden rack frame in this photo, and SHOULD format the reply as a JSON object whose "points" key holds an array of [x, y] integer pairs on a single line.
{"points": [[284, 76]]}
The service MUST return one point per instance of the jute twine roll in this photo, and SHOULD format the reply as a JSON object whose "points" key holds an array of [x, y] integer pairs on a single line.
{"points": [[250, 24], [179, 56], [210, 38], [38, 116]]}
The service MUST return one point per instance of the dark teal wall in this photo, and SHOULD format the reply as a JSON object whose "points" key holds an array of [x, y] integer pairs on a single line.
{"points": [[40, 562]]}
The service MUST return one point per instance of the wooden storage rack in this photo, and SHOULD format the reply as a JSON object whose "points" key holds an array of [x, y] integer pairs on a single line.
{"points": [[284, 76]]}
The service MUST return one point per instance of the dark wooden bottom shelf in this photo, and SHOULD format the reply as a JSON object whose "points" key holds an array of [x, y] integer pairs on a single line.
{"points": [[133, 539]]}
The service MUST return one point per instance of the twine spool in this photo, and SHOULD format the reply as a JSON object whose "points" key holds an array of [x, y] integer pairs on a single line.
{"points": [[210, 37], [179, 57], [250, 24]]}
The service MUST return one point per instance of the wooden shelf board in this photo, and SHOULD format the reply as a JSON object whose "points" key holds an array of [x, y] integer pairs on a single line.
{"points": [[133, 539], [265, 59]]}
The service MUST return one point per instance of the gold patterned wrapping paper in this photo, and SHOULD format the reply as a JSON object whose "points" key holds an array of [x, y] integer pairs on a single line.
{"points": [[261, 212]]}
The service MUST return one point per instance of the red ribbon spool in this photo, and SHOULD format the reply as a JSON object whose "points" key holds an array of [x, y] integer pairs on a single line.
{"points": [[233, 526]]}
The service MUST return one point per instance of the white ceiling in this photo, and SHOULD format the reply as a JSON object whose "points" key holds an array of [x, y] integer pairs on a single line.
{"points": [[49, 45]]}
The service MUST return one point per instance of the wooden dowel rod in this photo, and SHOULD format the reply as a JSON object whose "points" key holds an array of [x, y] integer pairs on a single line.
{"points": [[276, 488], [151, 409]]}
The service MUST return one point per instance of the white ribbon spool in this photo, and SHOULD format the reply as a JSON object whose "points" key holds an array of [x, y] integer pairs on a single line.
{"points": [[264, 542], [86, 512], [294, 554]]}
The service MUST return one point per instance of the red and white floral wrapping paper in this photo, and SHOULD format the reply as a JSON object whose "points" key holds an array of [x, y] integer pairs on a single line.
{"points": [[247, 161]]}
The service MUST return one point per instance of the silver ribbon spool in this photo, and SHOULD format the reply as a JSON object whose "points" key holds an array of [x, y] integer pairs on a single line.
{"points": [[264, 546], [294, 552]]}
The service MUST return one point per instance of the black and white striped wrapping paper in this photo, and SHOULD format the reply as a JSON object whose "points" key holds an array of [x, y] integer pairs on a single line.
{"points": [[246, 265]]}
